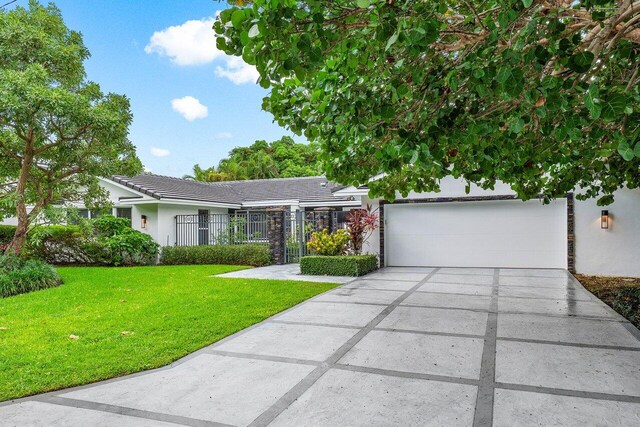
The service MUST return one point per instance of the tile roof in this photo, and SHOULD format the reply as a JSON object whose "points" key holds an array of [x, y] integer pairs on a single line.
{"points": [[304, 189]]}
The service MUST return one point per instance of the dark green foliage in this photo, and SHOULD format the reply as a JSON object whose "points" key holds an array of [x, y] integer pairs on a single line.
{"points": [[254, 255], [103, 241], [627, 303], [544, 96], [283, 158], [6, 233], [342, 265], [19, 276]]}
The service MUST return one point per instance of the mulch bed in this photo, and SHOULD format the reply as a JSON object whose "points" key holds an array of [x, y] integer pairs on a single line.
{"points": [[620, 293]]}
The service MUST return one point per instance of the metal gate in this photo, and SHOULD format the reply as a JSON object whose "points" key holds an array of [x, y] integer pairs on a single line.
{"points": [[298, 227]]}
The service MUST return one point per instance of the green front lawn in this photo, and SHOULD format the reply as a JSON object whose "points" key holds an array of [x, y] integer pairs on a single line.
{"points": [[105, 322]]}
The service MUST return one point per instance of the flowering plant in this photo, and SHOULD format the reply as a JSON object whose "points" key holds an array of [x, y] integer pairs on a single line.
{"points": [[361, 223]]}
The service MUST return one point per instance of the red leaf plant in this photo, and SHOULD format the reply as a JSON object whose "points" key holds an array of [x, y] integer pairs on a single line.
{"points": [[361, 223]]}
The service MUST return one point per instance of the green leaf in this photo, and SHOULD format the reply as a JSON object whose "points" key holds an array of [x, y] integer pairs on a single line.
{"points": [[391, 41], [527, 3], [363, 4], [625, 151], [591, 101], [238, 17], [613, 106], [636, 150], [580, 62]]}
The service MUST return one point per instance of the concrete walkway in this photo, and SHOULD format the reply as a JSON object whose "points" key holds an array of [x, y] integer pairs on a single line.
{"points": [[284, 272], [402, 346]]}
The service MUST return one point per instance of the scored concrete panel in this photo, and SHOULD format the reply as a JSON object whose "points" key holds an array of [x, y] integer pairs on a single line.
{"points": [[536, 292], [392, 285], [470, 279], [423, 270], [470, 270], [569, 368], [538, 282], [370, 296], [342, 398], [425, 354], [385, 275], [474, 302], [307, 342], [521, 408], [40, 414], [565, 329], [207, 387], [527, 272], [557, 307], [436, 320], [356, 315], [453, 288]]}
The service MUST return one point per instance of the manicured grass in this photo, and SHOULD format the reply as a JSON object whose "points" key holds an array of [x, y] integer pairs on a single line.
{"points": [[105, 322]]}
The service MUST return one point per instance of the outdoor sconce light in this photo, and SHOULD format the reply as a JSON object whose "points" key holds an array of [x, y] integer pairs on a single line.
{"points": [[604, 219], [143, 222]]}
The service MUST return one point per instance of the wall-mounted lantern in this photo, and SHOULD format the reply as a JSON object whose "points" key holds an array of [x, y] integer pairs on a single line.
{"points": [[143, 222], [604, 219]]}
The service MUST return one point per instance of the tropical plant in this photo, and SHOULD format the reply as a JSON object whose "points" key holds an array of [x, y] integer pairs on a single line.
{"points": [[58, 131], [330, 244], [18, 276], [361, 223], [542, 95]]}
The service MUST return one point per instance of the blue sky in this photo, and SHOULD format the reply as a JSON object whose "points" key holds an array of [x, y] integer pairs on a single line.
{"points": [[179, 62]]}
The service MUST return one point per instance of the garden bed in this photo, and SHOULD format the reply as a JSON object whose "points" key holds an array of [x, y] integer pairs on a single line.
{"points": [[620, 293], [340, 265]]}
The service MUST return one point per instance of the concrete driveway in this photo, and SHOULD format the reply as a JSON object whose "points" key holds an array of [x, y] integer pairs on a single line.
{"points": [[402, 346]]}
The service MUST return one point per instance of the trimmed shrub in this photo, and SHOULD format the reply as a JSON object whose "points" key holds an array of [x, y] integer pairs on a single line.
{"points": [[344, 265], [104, 241], [18, 276], [6, 234], [325, 243], [627, 303], [254, 255]]}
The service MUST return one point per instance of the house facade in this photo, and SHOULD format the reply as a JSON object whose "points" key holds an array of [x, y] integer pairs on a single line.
{"points": [[493, 228]]}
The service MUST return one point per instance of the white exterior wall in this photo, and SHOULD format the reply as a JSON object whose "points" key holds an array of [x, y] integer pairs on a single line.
{"points": [[611, 252], [616, 250], [151, 211]]}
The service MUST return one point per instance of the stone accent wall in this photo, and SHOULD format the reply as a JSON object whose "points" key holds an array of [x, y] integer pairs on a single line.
{"points": [[323, 219], [275, 234], [571, 236]]}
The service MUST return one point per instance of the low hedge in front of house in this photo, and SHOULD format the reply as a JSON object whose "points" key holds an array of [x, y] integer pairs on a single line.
{"points": [[254, 255], [6, 233], [341, 265]]}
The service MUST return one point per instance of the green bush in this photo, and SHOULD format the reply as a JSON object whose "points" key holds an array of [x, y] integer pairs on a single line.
{"points": [[254, 255], [331, 244], [344, 265], [6, 233], [627, 303], [19, 276], [103, 241]]}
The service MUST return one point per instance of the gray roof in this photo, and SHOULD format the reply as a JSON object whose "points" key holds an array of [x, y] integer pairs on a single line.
{"points": [[305, 189]]}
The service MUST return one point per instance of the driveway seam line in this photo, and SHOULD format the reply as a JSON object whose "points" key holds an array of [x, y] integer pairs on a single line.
{"points": [[567, 392], [294, 393], [404, 374], [269, 358], [483, 415], [326, 325], [131, 412], [569, 344]]}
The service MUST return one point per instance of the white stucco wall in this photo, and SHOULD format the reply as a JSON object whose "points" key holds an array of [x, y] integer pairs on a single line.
{"points": [[616, 250], [153, 225], [612, 252]]}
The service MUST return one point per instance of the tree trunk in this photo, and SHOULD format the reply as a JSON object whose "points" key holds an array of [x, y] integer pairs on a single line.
{"points": [[20, 236]]}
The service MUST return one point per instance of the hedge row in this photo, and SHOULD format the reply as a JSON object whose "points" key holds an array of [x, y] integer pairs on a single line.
{"points": [[19, 276], [254, 255], [342, 265]]}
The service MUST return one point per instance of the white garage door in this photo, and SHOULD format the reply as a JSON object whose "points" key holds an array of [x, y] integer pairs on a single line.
{"points": [[477, 234]]}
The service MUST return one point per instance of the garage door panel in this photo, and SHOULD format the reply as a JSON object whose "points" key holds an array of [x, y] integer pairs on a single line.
{"points": [[477, 234]]}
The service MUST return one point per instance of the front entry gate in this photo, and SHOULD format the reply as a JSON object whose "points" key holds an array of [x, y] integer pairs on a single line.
{"points": [[298, 227]]}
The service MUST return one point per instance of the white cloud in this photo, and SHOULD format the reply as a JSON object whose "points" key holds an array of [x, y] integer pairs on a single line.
{"points": [[194, 43], [223, 135], [190, 108], [160, 152], [238, 71]]}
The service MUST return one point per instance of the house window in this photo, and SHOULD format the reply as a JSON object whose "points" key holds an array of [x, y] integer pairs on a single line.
{"points": [[124, 213]]}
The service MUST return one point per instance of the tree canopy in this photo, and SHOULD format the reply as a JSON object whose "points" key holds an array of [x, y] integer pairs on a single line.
{"points": [[542, 95], [58, 131], [283, 158]]}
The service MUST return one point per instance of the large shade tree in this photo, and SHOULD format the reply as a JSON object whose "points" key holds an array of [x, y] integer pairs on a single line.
{"points": [[542, 95], [58, 131]]}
